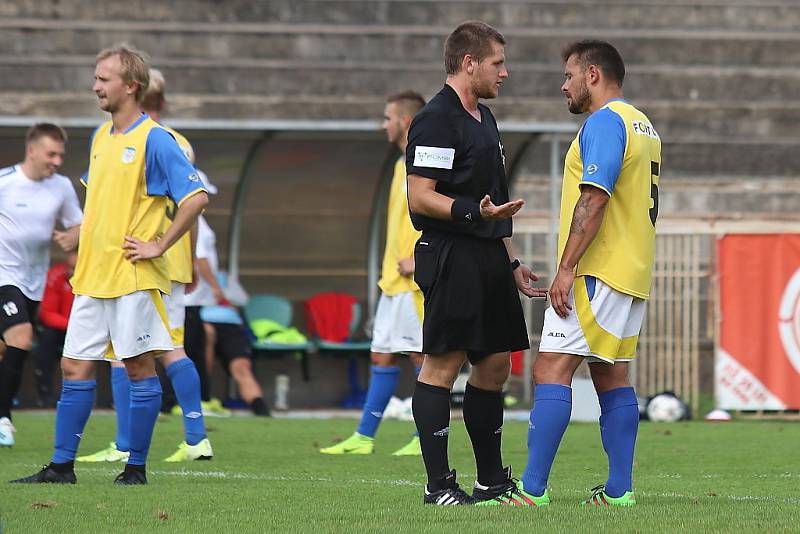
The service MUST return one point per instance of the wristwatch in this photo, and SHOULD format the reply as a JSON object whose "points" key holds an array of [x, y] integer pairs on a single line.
{"points": [[514, 265]]}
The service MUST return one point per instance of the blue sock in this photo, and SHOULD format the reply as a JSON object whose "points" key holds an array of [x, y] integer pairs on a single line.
{"points": [[552, 407], [619, 424], [416, 376], [145, 405], [381, 387], [72, 412], [121, 393], [186, 383]]}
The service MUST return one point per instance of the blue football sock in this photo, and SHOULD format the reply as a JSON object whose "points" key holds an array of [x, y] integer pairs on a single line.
{"points": [[186, 383], [381, 387], [552, 407], [72, 412], [145, 405], [121, 393], [619, 424]]}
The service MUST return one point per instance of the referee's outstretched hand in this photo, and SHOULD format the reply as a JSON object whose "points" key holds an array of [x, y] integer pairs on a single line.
{"points": [[523, 276], [503, 211]]}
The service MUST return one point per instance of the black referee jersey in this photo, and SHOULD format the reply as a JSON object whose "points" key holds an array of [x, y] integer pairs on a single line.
{"points": [[464, 156]]}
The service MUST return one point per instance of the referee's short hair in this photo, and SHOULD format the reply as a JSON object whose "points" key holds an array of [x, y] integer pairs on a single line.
{"points": [[410, 102], [135, 66], [473, 37], [600, 54], [45, 129]]}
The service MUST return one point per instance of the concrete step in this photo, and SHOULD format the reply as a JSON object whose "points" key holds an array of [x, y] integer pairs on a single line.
{"points": [[669, 82], [695, 196], [387, 44], [767, 15], [771, 157], [750, 123]]}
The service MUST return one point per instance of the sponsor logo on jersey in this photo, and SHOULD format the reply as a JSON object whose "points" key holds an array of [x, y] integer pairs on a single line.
{"points": [[443, 432], [644, 128], [591, 169], [434, 157], [556, 334]]}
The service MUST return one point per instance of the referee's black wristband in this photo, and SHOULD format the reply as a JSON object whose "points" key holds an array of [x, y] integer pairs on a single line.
{"points": [[515, 264], [465, 210]]}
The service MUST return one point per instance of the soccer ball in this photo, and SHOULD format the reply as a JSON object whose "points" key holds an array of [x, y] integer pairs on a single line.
{"points": [[666, 407]]}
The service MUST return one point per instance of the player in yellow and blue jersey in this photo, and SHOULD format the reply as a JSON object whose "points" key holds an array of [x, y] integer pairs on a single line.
{"points": [[609, 205], [182, 372], [121, 277], [397, 326]]}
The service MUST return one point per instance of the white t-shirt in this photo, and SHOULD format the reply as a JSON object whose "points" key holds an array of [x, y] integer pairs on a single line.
{"points": [[206, 248], [29, 212]]}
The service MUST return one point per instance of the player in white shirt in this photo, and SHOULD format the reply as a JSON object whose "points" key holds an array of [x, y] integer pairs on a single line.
{"points": [[34, 201]]}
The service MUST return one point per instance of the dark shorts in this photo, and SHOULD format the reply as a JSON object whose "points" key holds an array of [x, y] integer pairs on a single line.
{"points": [[15, 308], [471, 300], [231, 343]]}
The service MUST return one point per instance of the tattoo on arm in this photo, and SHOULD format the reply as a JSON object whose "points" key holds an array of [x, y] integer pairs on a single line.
{"points": [[584, 211]]}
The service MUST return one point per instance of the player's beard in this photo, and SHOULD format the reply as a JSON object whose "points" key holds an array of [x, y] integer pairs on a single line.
{"points": [[579, 102]]}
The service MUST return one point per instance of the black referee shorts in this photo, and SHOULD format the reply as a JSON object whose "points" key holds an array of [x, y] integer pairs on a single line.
{"points": [[471, 300], [15, 308]]}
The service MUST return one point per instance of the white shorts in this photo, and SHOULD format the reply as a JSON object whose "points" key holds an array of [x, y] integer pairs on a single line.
{"points": [[398, 326], [176, 313], [117, 328], [603, 325]]}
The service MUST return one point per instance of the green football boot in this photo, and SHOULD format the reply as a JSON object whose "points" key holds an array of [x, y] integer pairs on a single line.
{"points": [[412, 448], [513, 495], [109, 454], [601, 498], [187, 453], [355, 444]]}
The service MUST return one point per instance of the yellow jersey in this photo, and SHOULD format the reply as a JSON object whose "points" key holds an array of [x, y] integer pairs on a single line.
{"points": [[619, 151], [131, 175], [179, 255], [400, 236]]}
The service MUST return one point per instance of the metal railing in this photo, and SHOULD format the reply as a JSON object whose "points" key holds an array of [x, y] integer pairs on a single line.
{"points": [[681, 319]]}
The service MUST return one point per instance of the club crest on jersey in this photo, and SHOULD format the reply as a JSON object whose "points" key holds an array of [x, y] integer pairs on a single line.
{"points": [[128, 154], [194, 177]]}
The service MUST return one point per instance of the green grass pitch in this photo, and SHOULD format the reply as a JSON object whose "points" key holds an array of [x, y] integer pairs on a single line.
{"points": [[267, 477]]}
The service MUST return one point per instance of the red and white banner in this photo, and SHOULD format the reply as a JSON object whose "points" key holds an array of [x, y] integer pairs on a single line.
{"points": [[758, 357]]}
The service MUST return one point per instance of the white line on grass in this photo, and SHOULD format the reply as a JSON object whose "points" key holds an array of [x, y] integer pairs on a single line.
{"points": [[401, 482]]}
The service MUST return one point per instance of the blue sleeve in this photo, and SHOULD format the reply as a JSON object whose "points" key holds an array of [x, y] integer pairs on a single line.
{"points": [[84, 179], [602, 143], [167, 170]]}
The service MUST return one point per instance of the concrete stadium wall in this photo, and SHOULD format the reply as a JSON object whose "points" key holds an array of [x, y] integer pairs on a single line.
{"points": [[718, 78]]}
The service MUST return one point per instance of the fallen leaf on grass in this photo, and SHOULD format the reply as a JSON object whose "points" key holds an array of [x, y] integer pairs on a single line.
{"points": [[711, 494], [163, 515], [42, 505]]}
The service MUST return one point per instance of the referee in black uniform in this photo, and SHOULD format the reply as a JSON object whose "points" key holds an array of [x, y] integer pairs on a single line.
{"points": [[465, 265]]}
